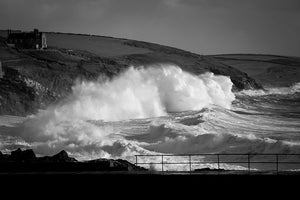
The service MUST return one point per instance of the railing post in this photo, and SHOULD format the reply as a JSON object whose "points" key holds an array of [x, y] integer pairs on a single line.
{"points": [[218, 161], [162, 163], [190, 162], [276, 163], [249, 163], [136, 160]]}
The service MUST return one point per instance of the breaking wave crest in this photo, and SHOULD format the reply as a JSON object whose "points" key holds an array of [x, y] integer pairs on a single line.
{"points": [[138, 93], [146, 92]]}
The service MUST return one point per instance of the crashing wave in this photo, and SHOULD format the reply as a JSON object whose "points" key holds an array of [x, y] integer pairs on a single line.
{"points": [[137, 93], [146, 92]]}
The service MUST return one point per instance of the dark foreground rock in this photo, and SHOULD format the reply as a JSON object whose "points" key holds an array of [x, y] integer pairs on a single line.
{"points": [[208, 169], [62, 157], [22, 156], [26, 161]]}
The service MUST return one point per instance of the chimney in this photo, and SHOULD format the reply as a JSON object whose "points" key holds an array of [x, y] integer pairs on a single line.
{"points": [[36, 32], [1, 72]]}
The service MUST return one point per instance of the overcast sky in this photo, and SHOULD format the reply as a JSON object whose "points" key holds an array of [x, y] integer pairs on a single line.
{"points": [[200, 26]]}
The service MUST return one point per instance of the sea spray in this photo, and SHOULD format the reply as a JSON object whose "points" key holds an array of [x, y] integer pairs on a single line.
{"points": [[146, 92], [143, 93], [137, 93]]}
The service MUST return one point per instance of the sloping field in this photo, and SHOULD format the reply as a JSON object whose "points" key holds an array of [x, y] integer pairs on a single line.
{"points": [[101, 46]]}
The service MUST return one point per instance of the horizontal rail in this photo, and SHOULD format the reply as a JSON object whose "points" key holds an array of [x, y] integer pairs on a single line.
{"points": [[218, 161], [209, 162], [221, 154]]}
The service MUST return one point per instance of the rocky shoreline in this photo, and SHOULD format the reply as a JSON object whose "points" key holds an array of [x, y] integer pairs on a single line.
{"points": [[26, 161], [22, 162]]}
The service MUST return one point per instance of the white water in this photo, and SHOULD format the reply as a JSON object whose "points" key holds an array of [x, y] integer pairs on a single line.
{"points": [[138, 93], [158, 109], [145, 92]]}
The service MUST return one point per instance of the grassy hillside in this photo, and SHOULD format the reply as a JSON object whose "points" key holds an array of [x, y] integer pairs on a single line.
{"points": [[37, 78], [100, 46], [268, 70]]}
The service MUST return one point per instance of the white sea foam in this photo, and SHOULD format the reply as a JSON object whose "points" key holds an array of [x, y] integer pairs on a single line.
{"points": [[147, 92], [155, 110], [137, 93]]}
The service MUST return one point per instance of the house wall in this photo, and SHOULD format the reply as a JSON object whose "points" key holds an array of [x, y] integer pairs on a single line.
{"points": [[31, 40], [1, 71]]}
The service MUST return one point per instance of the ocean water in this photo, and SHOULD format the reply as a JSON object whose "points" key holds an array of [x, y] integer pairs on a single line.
{"points": [[161, 109]]}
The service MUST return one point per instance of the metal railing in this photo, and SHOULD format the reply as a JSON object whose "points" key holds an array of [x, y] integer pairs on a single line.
{"points": [[218, 159]]}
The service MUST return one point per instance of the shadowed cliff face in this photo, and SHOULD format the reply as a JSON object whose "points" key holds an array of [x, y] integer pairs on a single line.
{"points": [[35, 79]]}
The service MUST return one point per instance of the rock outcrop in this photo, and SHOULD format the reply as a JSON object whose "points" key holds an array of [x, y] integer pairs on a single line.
{"points": [[61, 157], [23, 156], [26, 161], [115, 165]]}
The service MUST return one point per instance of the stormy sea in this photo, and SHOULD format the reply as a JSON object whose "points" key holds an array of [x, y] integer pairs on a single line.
{"points": [[162, 109]]}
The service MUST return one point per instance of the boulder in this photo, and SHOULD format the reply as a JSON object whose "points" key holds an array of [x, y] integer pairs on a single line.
{"points": [[22, 156], [207, 169], [60, 157], [26, 161], [63, 157], [115, 165]]}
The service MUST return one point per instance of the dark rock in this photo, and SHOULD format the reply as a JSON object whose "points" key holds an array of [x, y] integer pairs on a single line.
{"points": [[207, 169], [63, 157], [16, 155], [23, 156], [25, 161], [115, 165], [130, 166], [60, 157], [29, 154]]}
